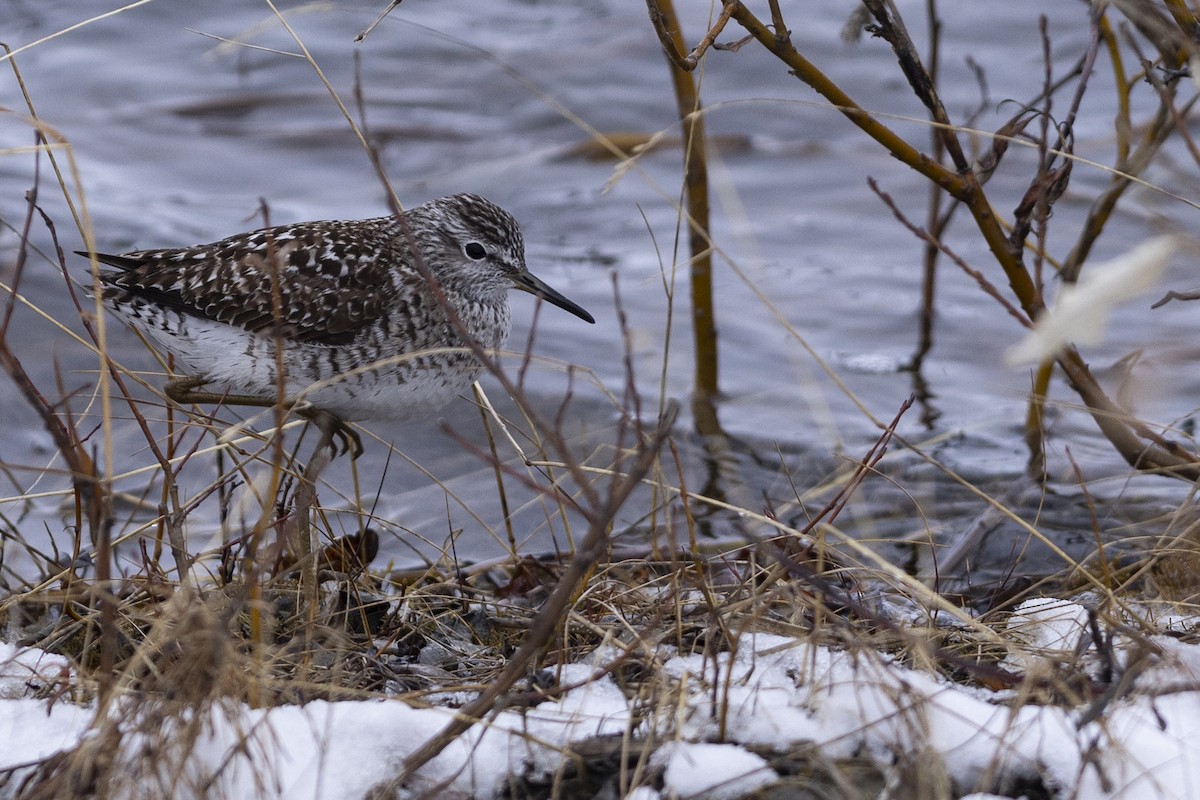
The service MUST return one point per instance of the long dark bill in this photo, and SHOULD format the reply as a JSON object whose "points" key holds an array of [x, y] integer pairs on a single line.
{"points": [[528, 282]]}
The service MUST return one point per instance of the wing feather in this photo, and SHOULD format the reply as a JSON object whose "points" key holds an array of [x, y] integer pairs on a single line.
{"points": [[335, 279]]}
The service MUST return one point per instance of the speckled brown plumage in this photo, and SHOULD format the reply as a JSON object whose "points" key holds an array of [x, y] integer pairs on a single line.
{"points": [[360, 332]]}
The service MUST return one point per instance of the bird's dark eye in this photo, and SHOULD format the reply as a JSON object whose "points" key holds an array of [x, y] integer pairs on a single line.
{"points": [[474, 251]]}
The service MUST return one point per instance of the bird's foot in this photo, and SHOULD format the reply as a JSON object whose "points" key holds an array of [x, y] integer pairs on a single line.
{"points": [[332, 426]]}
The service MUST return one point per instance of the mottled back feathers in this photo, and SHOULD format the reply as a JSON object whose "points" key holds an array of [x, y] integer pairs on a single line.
{"points": [[334, 279]]}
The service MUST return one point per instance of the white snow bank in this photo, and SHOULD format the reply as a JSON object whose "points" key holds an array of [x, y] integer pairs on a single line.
{"points": [[774, 692], [25, 670], [711, 771]]}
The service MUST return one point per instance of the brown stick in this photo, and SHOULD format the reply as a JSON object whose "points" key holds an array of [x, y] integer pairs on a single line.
{"points": [[695, 192]]}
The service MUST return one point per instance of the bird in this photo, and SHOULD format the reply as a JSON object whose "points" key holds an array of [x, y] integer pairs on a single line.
{"points": [[353, 319]]}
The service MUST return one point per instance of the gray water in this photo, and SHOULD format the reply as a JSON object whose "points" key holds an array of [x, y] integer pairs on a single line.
{"points": [[179, 138]]}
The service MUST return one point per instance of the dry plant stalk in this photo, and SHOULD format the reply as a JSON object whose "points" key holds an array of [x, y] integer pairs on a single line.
{"points": [[695, 207]]}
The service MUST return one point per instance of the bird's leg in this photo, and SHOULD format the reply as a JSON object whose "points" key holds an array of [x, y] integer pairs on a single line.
{"points": [[183, 391]]}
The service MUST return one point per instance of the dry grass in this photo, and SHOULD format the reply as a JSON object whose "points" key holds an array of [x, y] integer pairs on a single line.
{"points": [[292, 607]]}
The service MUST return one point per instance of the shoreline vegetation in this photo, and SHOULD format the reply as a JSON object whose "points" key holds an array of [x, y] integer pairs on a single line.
{"points": [[640, 661]]}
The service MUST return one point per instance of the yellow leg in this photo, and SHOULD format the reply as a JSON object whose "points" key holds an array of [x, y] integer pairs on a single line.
{"points": [[183, 391]]}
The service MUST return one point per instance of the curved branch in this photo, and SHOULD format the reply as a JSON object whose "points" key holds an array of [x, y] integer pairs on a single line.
{"points": [[1142, 447]]}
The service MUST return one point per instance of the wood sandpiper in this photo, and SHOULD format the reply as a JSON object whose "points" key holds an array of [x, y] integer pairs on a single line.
{"points": [[340, 311]]}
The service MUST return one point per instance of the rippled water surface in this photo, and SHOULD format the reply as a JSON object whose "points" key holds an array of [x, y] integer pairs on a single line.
{"points": [[178, 138]]}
